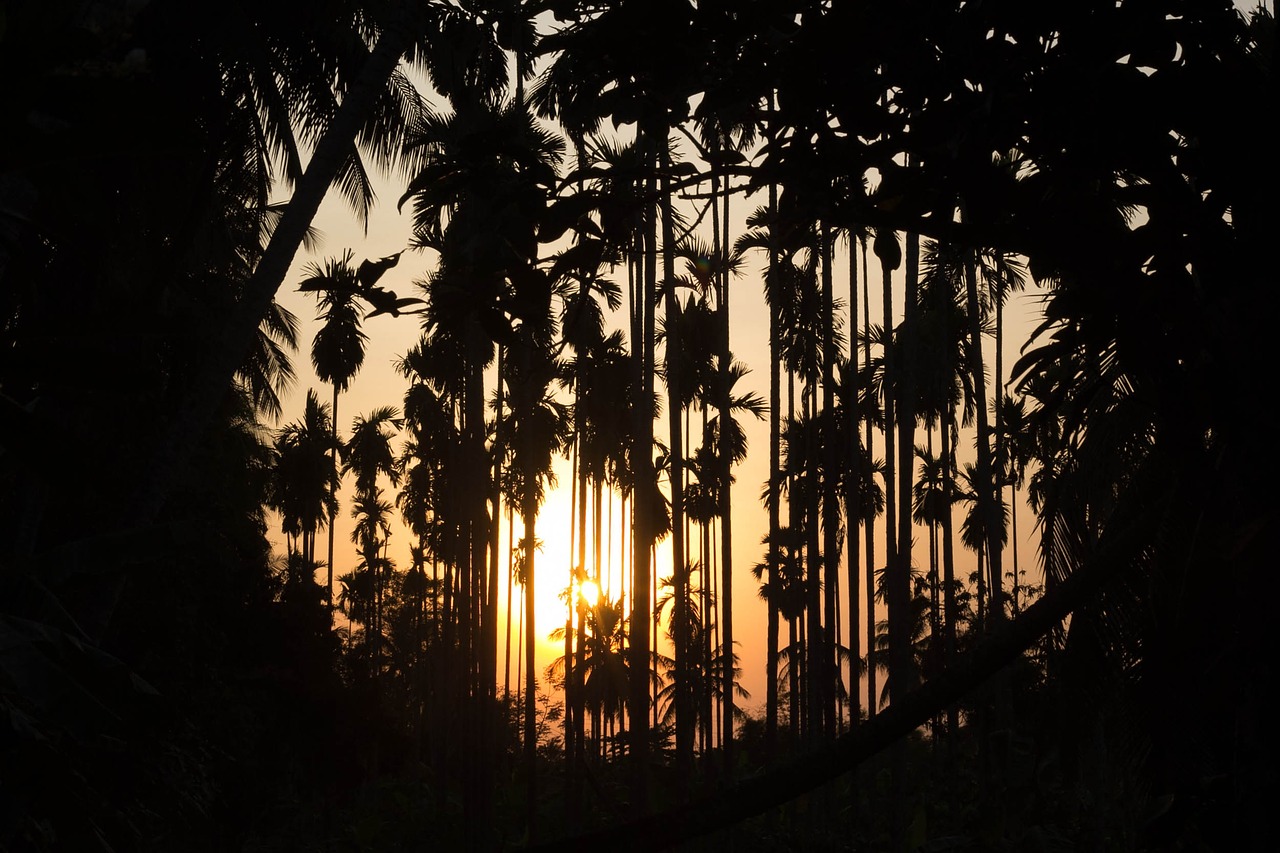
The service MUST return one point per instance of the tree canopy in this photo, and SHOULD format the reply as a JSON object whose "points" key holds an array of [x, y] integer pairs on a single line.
{"points": [[576, 171]]}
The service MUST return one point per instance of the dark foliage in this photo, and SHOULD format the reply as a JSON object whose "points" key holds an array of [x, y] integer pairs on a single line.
{"points": [[166, 683]]}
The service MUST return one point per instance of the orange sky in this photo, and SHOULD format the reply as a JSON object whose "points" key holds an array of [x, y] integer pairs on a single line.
{"points": [[378, 384]]}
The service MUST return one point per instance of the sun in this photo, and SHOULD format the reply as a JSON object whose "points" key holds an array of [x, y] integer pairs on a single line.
{"points": [[552, 570], [590, 591]]}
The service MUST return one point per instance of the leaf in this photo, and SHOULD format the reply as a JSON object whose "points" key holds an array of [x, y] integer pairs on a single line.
{"points": [[566, 213], [370, 271]]}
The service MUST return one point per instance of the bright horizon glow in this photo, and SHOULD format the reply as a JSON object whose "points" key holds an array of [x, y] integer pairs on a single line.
{"points": [[378, 384]]}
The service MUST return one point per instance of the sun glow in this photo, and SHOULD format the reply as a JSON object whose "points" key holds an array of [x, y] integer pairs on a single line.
{"points": [[590, 592]]}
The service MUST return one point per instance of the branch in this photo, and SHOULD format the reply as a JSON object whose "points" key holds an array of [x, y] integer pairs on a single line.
{"points": [[754, 796]]}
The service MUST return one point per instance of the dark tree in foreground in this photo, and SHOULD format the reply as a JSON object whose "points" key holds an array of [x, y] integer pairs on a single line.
{"points": [[171, 685]]}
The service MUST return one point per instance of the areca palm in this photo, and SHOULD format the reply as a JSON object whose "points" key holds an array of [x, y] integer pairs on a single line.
{"points": [[784, 586], [921, 637], [1016, 448], [979, 534], [603, 667], [636, 81], [302, 490], [765, 234], [370, 534], [705, 674], [368, 454], [480, 199], [337, 351], [368, 450]]}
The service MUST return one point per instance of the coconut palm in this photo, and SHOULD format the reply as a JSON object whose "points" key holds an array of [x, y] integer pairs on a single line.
{"points": [[268, 371]]}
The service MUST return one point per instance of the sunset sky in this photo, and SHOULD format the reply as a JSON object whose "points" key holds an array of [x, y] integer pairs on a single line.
{"points": [[378, 384]]}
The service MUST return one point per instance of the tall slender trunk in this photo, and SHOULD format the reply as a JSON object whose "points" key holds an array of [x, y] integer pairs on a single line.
{"points": [[475, 643], [997, 395], [570, 665], [890, 258], [489, 714], [815, 641], [726, 504], [870, 577], [948, 561], [643, 504], [1017, 575], [775, 480], [830, 499], [902, 660], [679, 558], [333, 486], [889, 261], [529, 516], [577, 705], [853, 493], [988, 507], [506, 678]]}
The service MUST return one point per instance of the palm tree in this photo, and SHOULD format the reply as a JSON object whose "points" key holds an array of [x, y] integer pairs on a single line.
{"points": [[368, 451], [358, 103], [1016, 448], [784, 585], [302, 485], [480, 200], [769, 233], [603, 668], [368, 454], [268, 371], [337, 351], [921, 642]]}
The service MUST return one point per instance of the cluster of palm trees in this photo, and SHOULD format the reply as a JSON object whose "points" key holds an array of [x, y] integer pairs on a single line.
{"points": [[517, 310], [524, 358], [580, 305]]}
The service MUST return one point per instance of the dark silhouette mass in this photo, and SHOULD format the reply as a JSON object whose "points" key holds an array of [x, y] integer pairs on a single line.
{"points": [[599, 194]]}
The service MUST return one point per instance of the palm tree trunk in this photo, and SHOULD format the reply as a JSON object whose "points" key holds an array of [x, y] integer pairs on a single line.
{"points": [[775, 479], [948, 553], [529, 516], [889, 260], [506, 678], [475, 634], [333, 485], [679, 558], [643, 504], [902, 668], [577, 705], [853, 494], [870, 578], [997, 394], [899, 582], [815, 656], [830, 504], [726, 505], [985, 487]]}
